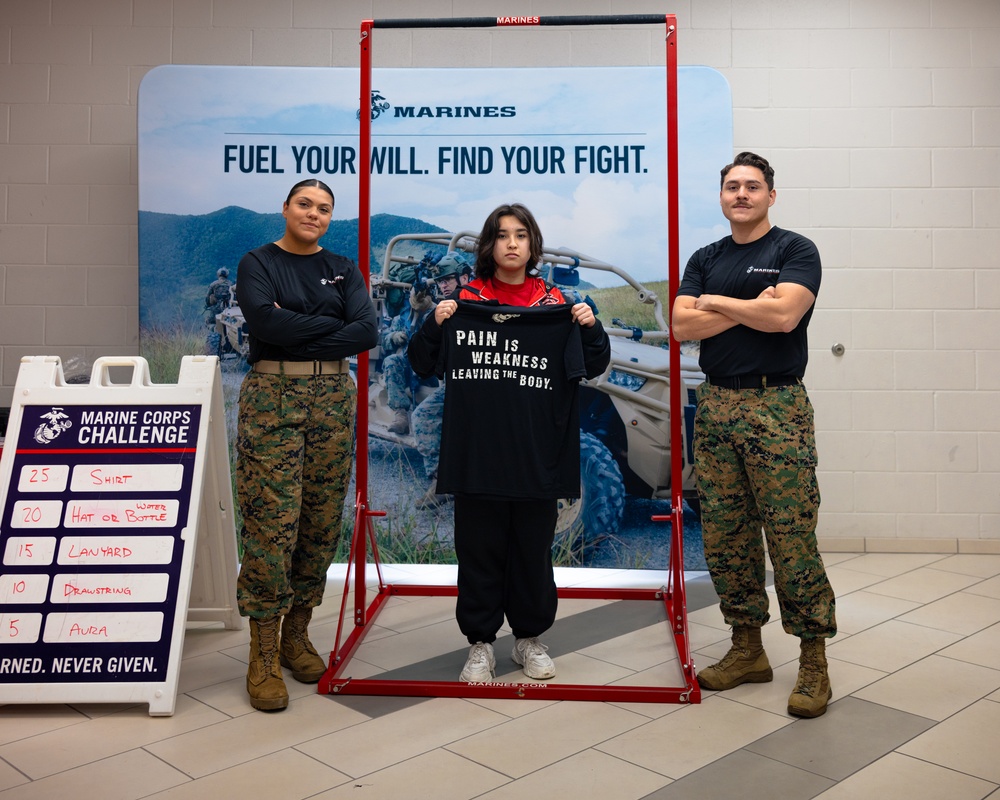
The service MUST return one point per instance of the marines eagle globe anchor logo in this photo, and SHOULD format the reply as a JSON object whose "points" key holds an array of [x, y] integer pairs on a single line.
{"points": [[379, 104], [56, 423]]}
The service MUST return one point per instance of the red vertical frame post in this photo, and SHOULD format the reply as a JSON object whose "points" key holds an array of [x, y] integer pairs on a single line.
{"points": [[673, 277], [362, 522], [678, 609]]}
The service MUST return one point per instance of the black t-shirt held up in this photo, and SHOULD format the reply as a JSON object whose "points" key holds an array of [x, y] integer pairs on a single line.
{"points": [[511, 413]]}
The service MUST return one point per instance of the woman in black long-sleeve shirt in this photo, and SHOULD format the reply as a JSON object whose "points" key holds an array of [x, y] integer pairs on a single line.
{"points": [[307, 310]]}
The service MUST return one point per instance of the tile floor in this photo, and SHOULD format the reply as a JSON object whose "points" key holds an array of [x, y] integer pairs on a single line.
{"points": [[916, 711]]}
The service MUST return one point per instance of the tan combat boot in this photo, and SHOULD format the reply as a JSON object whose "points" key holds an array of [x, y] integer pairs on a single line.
{"points": [[400, 422], [812, 690], [297, 652], [431, 499], [265, 685], [746, 662]]}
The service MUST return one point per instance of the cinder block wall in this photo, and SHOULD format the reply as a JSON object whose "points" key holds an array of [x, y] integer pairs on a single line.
{"points": [[882, 118]]}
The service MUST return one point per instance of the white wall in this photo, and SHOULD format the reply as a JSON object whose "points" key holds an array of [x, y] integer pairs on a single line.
{"points": [[881, 117]]}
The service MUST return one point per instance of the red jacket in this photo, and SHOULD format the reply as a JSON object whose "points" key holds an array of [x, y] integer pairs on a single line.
{"points": [[543, 294]]}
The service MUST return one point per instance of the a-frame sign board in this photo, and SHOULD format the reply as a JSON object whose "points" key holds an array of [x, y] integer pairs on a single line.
{"points": [[117, 526]]}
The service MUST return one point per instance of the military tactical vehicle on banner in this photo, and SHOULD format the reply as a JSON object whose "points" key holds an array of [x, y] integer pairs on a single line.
{"points": [[624, 413]]}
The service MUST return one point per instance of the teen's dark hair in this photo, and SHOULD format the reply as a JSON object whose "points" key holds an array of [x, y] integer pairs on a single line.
{"points": [[748, 159], [309, 182], [485, 265]]}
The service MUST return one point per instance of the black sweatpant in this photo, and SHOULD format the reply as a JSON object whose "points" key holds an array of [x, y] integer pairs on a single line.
{"points": [[504, 550]]}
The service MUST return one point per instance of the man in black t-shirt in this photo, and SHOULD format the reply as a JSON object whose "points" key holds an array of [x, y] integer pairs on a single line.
{"points": [[748, 298]]}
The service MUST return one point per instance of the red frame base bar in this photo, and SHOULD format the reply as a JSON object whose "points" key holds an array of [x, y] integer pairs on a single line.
{"points": [[334, 682], [672, 596]]}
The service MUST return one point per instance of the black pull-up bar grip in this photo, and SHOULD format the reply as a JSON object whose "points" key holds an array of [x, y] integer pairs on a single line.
{"points": [[515, 21]]}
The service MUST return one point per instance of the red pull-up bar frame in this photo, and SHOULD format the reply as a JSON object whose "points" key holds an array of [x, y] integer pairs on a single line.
{"points": [[672, 595]]}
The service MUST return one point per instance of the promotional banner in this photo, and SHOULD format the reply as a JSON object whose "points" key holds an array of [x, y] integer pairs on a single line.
{"points": [[583, 148]]}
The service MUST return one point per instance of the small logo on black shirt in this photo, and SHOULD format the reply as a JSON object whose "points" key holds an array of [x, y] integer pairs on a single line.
{"points": [[769, 270], [504, 317], [336, 279]]}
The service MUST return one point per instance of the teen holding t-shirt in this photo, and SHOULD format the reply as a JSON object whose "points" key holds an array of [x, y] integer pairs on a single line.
{"points": [[504, 532]]}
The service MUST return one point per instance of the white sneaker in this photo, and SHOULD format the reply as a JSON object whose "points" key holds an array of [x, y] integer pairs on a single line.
{"points": [[530, 654], [481, 664]]}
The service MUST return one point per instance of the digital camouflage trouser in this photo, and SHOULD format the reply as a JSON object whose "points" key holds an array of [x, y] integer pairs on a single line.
{"points": [[755, 455], [426, 428], [398, 377], [294, 448]]}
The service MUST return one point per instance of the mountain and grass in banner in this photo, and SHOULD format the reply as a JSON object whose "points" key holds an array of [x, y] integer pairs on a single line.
{"points": [[180, 256], [181, 253]]}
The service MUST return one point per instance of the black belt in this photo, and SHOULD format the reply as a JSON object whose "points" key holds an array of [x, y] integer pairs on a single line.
{"points": [[752, 381]]}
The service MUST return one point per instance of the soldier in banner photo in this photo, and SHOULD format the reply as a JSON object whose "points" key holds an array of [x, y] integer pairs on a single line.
{"points": [[450, 272], [216, 301], [400, 381]]}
